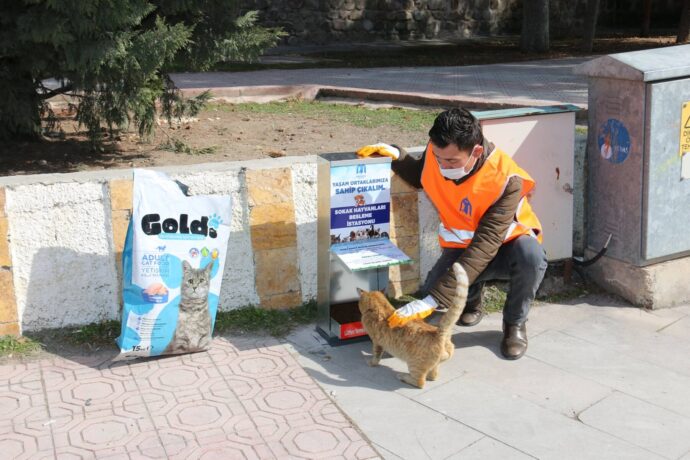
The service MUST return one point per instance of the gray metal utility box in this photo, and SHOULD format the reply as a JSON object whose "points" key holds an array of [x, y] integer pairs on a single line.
{"points": [[639, 154]]}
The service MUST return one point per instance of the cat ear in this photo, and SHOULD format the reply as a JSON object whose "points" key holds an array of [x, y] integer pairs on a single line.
{"points": [[360, 291], [209, 267], [186, 266]]}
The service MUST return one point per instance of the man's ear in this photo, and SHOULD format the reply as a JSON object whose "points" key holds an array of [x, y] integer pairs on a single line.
{"points": [[477, 151]]}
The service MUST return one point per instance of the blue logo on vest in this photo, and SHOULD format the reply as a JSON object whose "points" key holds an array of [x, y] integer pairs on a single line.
{"points": [[361, 169], [466, 206]]}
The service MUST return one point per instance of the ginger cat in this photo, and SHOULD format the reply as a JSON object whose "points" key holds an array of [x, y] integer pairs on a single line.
{"points": [[422, 346]]}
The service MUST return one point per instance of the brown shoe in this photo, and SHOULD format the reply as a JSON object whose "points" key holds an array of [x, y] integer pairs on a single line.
{"points": [[471, 314], [514, 343]]}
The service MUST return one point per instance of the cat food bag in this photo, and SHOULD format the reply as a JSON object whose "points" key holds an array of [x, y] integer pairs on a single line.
{"points": [[172, 267]]}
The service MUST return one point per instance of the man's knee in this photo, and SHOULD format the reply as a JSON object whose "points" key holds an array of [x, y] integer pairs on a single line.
{"points": [[529, 254]]}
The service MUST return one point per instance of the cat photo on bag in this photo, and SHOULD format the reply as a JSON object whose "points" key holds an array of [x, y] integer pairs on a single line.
{"points": [[193, 329]]}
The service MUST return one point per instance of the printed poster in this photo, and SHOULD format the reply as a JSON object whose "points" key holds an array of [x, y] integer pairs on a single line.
{"points": [[360, 202]]}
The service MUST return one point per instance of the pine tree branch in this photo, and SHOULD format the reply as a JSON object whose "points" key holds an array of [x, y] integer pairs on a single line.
{"points": [[55, 92]]}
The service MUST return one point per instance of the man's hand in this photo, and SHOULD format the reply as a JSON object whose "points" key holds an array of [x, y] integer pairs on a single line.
{"points": [[381, 149], [417, 309]]}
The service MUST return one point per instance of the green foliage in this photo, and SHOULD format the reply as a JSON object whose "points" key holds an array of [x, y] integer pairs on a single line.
{"points": [[493, 298], [276, 322], [177, 146], [17, 346], [103, 333], [113, 57], [174, 106]]}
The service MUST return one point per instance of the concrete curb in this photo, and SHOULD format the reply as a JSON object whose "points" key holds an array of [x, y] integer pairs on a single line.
{"points": [[273, 93]]}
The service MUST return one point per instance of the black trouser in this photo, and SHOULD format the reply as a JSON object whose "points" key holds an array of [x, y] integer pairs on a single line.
{"points": [[521, 261]]}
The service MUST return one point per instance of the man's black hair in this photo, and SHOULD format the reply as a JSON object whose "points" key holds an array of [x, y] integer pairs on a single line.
{"points": [[456, 126]]}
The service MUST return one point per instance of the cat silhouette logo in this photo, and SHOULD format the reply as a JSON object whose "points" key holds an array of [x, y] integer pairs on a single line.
{"points": [[466, 206]]}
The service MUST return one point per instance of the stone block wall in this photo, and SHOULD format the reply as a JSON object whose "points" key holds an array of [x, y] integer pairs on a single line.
{"points": [[62, 237], [323, 21], [328, 21], [274, 237], [404, 232], [9, 321]]}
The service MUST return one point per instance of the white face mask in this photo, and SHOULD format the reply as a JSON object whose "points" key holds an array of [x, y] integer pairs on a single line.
{"points": [[457, 173]]}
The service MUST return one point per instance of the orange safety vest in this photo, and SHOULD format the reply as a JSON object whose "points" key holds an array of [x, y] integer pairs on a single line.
{"points": [[461, 207]]}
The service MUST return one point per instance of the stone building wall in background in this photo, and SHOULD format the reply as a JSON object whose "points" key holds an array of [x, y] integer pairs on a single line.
{"points": [[329, 21]]}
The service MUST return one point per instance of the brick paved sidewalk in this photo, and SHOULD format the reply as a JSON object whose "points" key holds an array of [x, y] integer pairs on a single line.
{"points": [[245, 398]]}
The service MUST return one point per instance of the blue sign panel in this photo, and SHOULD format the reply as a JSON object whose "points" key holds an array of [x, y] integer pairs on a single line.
{"points": [[614, 141], [360, 202]]}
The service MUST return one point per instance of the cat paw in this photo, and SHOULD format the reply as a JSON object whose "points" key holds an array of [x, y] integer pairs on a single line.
{"points": [[372, 362], [407, 378]]}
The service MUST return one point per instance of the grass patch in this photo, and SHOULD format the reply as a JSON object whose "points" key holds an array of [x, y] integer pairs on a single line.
{"points": [[404, 299], [177, 146], [12, 346], [573, 292], [277, 323], [404, 119], [493, 298], [103, 333]]}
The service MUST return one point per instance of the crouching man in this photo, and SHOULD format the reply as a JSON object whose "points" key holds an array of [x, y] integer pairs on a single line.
{"points": [[487, 224]]}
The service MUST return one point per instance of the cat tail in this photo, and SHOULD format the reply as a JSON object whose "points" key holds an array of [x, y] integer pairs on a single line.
{"points": [[448, 320]]}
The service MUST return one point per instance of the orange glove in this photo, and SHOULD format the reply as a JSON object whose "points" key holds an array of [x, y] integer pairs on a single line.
{"points": [[417, 309], [381, 149]]}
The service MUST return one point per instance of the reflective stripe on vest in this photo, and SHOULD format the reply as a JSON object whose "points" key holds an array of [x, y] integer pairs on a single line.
{"points": [[462, 206], [454, 235], [457, 236]]}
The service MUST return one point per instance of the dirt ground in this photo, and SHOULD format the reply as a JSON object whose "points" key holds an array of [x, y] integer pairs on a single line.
{"points": [[225, 134]]}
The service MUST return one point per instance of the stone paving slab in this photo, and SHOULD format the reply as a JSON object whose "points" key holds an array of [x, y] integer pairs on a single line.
{"points": [[600, 380], [617, 334], [533, 380], [640, 423], [523, 425], [647, 381], [245, 398], [432, 435], [487, 448]]}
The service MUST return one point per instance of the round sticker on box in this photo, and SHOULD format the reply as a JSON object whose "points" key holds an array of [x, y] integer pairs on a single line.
{"points": [[614, 141]]}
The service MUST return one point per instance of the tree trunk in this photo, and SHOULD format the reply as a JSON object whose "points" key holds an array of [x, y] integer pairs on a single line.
{"points": [[684, 27], [20, 107], [535, 26], [646, 17], [590, 25]]}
